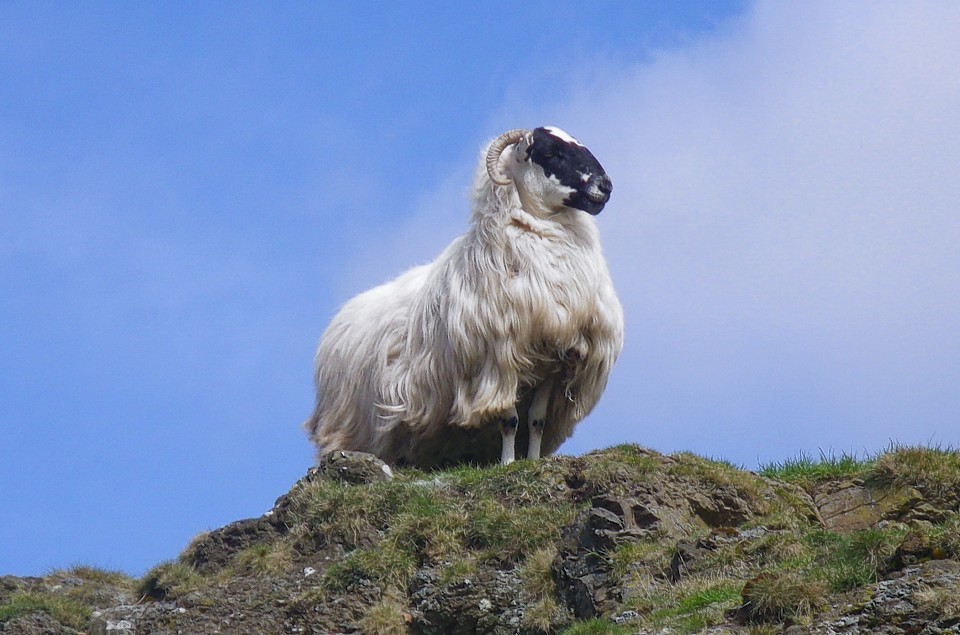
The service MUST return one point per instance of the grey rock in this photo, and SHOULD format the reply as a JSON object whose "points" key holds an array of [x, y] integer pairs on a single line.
{"points": [[354, 467], [484, 603]]}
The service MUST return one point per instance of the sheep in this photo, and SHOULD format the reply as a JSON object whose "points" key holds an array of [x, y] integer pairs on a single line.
{"points": [[516, 322]]}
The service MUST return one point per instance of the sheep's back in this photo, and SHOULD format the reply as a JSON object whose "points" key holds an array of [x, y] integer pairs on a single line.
{"points": [[355, 350]]}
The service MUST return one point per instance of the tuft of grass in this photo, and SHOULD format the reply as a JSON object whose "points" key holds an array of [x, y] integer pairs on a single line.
{"points": [[543, 611], [806, 471], [536, 573], [386, 565], [261, 559], [63, 610], [839, 561], [946, 536], [543, 614], [722, 592], [791, 508], [465, 516], [387, 617], [168, 579], [718, 473], [700, 608], [639, 556], [933, 470], [189, 553], [854, 560], [785, 549], [709, 470], [519, 484], [687, 607], [598, 627], [349, 514], [458, 569], [616, 470], [943, 602], [98, 575], [505, 535], [430, 526], [97, 584], [781, 596]]}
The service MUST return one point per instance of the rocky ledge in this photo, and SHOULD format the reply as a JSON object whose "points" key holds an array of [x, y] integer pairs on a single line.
{"points": [[623, 540]]}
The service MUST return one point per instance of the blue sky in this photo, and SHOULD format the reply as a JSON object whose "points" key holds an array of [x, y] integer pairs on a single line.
{"points": [[188, 191]]}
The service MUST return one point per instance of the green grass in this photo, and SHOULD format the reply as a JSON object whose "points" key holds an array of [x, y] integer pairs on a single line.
{"points": [[599, 627], [71, 604], [933, 470], [507, 535], [519, 484], [853, 560], [946, 536], [63, 610], [795, 573], [272, 559], [639, 556], [944, 602], [688, 606], [703, 605], [386, 617], [784, 549], [792, 571], [98, 584], [349, 514], [469, 520], [805, 470], [168, 579], [713, 474], [464, 517], [720, 593], [386, 565], [618, 469], [784, 595], [97, 575], [542, 611]]}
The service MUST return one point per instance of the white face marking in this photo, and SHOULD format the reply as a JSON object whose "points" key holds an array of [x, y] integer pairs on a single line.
{"points": [[560, 134]]}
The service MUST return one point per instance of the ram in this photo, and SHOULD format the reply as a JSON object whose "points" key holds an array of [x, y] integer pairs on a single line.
{"points": [[506, 339]]}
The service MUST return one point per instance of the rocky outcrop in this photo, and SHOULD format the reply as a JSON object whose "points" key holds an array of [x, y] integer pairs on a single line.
{"points": [[624, 540], [922, 599]]}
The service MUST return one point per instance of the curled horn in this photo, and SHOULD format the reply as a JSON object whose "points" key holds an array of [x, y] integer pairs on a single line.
{"points": [[496, 149]]}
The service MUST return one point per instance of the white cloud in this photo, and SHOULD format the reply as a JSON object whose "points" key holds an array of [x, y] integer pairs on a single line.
{"points": [[784, 232]]}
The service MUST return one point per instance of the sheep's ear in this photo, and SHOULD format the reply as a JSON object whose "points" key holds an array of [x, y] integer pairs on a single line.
{"points": [[522, 149]]}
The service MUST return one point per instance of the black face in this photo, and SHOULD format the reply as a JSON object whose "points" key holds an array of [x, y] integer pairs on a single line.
{"points": [[574, 166]]}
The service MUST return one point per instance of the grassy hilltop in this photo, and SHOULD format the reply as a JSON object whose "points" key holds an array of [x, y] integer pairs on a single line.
{"points": [[619, 541]]}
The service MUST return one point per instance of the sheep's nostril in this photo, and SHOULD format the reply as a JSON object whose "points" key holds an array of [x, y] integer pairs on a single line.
{"points": [[605, 184], [599, 190], [597, 195]]}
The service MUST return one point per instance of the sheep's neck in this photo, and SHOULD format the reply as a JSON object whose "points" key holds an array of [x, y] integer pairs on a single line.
{"points": [[530, 217]]}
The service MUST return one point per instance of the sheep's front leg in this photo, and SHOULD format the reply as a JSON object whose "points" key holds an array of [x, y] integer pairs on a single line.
{"points": [[537, 418], [508, 431]]}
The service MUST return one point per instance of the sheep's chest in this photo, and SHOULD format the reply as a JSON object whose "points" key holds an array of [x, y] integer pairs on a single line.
{"points": [[554, 292]]}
